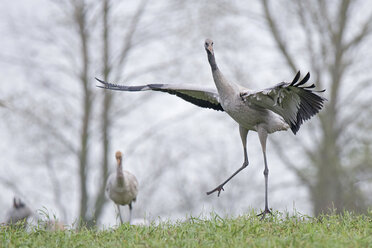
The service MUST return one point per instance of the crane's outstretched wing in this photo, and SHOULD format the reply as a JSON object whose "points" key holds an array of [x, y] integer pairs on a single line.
{"points": [[293, 101], [202, 97]]}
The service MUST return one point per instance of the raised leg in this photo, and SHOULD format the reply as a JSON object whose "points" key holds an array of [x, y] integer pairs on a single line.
{"points": [[262, 134], [118, 207], [243, 135], [130, 212]]}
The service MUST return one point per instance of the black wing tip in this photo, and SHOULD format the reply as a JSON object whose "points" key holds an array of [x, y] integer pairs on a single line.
{"points": [[99, 80], [309, 88], [309, 107], [106, 85], [303, 81], [320, 91], [295, 129], [310, 104], [295, 79]]}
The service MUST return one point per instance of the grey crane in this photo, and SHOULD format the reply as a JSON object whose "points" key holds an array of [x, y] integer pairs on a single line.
{"points": [[19, 213], [122, 187], [284, 106]]}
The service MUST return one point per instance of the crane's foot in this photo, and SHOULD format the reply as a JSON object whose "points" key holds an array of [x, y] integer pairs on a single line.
{"points": [[263, 214], [219, 188]]}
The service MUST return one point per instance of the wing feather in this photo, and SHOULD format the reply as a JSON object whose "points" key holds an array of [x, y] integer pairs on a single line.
{"points": [[202, 97], [294, 101]]}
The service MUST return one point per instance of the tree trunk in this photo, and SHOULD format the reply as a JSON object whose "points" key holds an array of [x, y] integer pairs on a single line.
{"points": [[80, 10], [105, 117]]}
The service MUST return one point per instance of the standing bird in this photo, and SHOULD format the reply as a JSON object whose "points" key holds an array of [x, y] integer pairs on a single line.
{"points": [[19, 213], [284, 106], [122, 187]]}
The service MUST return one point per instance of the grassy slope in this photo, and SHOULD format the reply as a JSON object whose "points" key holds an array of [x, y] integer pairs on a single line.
{"points": [[279, 231]]}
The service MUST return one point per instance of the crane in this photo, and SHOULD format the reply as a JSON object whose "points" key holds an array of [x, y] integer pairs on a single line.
{"points": [[279, 108], [19, 213], [122, 187]]}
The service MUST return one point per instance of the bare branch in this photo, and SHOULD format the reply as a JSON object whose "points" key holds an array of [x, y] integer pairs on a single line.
{"points": [[308, 30], [127, 44], [277, 38], [2, 104], [359, 88], [155, 128], [322, 4], [153, 68], [352, 118], [288, 162], [363, 34], [12, 184], [46, 126]]}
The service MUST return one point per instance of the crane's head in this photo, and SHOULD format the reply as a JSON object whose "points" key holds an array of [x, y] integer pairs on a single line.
{"points": [[118, 156], [208, 45]]}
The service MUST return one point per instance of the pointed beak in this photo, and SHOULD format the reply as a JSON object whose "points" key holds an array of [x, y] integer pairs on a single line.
{"points": [[210, 49]]}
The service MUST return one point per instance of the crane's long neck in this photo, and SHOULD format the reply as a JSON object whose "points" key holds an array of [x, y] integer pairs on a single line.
{"points": [[119, 173], [212, 61], [223, 86]]}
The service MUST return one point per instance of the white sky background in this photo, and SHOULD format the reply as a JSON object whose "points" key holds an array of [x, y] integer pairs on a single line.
{"points": [[205, 136]]}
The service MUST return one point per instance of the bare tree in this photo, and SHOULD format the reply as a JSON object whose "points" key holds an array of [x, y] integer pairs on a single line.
{"points": [[80, 19], [62, 125], [108, 69], [332, 49]]}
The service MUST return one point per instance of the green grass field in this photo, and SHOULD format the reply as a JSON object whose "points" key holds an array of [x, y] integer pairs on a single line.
{"points": [[346, 230]]}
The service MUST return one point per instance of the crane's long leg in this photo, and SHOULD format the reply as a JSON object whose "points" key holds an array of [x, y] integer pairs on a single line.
{"points": [[243, 135], [262, 134], [121, 220], [130, 212]]}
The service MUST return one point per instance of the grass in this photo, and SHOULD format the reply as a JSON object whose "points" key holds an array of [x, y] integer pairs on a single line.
{"points": [[281, 230]]}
